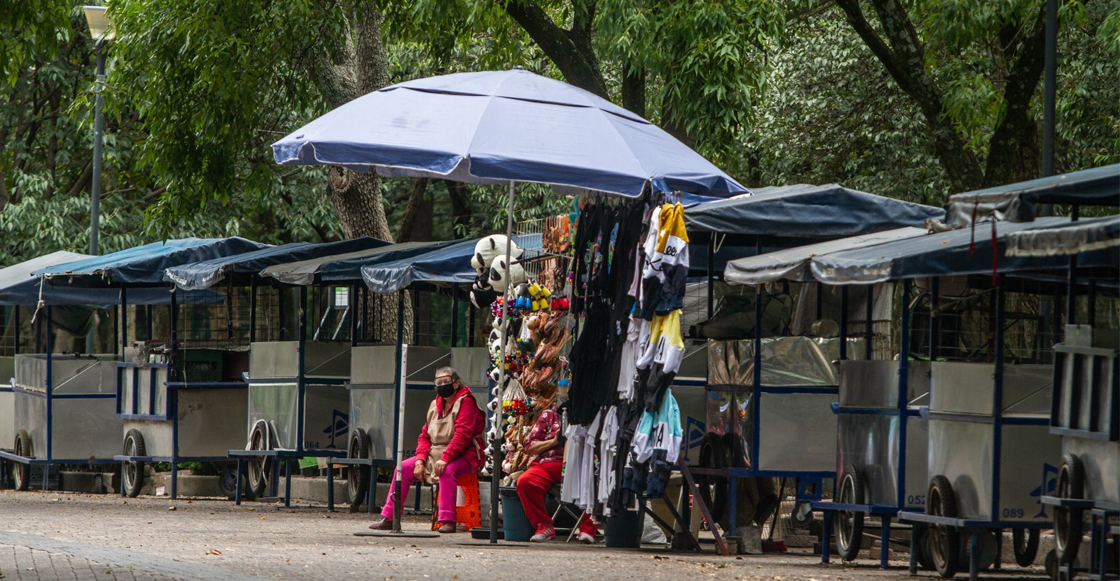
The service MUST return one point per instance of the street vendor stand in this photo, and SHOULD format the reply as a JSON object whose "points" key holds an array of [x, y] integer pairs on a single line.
{"points": [[67, 404], [1086, 393], [881, 449], [499, 128], [784, 426], [19, 291], [198, 414], [990, 456], [298, 404]]}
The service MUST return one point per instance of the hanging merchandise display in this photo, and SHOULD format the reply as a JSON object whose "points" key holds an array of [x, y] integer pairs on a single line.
{"points": [[630, 265]]}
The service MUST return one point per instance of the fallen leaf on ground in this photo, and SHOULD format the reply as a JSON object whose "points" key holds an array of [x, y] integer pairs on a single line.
{"points": [[213, 552]]}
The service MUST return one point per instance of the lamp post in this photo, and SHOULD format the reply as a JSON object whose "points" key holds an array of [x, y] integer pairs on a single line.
{"points": [[101, 31]]}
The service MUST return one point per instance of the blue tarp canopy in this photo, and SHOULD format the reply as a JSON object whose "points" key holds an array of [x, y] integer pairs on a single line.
{"points": [[1018, 202], [807, 211], [495, 127], [144, 265], [238, 268], [947, 254], [345, 268], [18, 287], [448, 265]]}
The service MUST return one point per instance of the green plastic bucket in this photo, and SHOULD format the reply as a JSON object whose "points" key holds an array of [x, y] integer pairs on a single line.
{"points": [[515, 525]]}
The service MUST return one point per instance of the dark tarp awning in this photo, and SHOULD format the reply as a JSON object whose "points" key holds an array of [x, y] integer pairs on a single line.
{"points": [[828, 211], [18, 287], [345, 268], [205, 274], [144, 265], [447, 265], [1018, 202], [793, 263], [957, 252], [1066, 239]]}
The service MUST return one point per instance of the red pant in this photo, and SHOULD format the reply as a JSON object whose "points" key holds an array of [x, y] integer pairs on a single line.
{"points": [[531, 486]]}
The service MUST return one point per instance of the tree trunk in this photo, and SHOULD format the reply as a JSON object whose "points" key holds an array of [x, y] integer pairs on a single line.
{"points": [[416, 223], [634, 90], [570, 49], [460, 207]]}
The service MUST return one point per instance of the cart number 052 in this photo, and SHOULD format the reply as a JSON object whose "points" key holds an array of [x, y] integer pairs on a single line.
{"points": [[916, 500]]}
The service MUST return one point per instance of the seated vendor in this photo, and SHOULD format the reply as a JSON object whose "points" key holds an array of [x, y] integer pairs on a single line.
{"points": [[545, 471], [450, 446]]}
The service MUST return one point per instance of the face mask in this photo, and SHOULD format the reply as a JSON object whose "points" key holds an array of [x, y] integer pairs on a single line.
{"points": [[445, 390]]}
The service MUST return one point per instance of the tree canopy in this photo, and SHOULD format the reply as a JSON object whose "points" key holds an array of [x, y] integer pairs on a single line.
{"points": [[909, 99]]}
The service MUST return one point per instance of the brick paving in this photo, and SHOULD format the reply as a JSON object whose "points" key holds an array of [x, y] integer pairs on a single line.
{"points": [[75, 536]]}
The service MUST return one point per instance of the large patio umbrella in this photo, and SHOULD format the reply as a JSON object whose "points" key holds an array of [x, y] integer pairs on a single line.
{"points": [[500, 127]]}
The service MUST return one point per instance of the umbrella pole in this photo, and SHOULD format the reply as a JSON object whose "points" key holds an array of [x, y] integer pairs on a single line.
{"points": [[496, 421]]}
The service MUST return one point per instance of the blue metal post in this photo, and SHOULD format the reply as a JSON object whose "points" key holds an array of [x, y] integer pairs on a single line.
{"points": [[253, 310], [869, 332], [997, 396], [885, 542], [756, 396], [50, 393], [903, 391], [15, 315], [301, 379], [843, 322], [710, 266], [124, 321]]}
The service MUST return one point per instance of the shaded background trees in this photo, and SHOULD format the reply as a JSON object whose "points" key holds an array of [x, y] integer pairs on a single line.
{"points": [[907, 99]]}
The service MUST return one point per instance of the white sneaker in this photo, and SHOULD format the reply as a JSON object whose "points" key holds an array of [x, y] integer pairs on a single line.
{"points": [[585, 538], [544, 534]]}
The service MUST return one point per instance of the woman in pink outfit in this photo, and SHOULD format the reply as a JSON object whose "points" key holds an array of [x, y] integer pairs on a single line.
{"points": [[450, 446]]}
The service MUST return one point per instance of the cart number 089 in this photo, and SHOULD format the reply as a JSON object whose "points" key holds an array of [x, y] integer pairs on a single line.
{"points": [[1013, 513]]}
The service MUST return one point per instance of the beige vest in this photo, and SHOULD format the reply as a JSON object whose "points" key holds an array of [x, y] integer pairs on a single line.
{"points": [[440, 432]]}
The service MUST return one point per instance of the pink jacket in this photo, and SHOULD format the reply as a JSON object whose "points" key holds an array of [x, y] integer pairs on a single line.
{"points": [[469, 425]]}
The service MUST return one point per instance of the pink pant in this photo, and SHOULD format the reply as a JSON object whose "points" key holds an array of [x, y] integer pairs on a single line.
{"points": [[448, 490]]}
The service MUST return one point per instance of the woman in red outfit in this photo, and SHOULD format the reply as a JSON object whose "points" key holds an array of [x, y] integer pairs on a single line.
{"points": [[544, 472], [450, 446]]}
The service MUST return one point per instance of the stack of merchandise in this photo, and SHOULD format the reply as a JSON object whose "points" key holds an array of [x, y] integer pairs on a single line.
{"points": [[631, 265]]}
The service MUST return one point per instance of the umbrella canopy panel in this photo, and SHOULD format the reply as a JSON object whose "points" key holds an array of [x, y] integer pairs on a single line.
{"points": [[963, 251], [807, 211], [500, 126], [205, 274], [18, 287], [144, 265], [1018, 202]]}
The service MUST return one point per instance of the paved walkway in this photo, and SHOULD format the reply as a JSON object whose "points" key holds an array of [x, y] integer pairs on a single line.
{"points": [[73, 536]]}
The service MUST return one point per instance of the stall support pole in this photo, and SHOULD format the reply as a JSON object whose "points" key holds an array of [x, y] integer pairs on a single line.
{"points": [[50, 390], [352, 311], [496, 421], [148, 320], [124, 321], [843, 322], [171, 375], [869, 332], [15, 314], [756, 396], [253, 311], [997, 395], [402, 354], [280, 310], [903, 391], [454, 315], [711, 259], [934, 319]]}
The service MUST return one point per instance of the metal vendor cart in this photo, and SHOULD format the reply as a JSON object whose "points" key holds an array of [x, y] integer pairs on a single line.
{"points": [[778, 427], [879, 459], [990, 457], [65, 404], [375, 406], [1085, 407], [298, 404], [198, 413]]}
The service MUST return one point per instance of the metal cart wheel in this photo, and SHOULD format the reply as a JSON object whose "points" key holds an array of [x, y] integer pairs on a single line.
{"points": [[227, 479], [925, 552], [802, 516], [259, 466], [713, 454], [133, 477], [944, 541], [21, 473], [1025, 544], [357, 477], [1069, 523], [849, 524]]}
